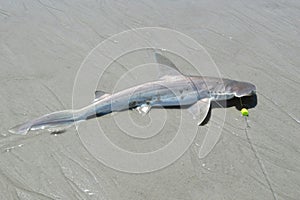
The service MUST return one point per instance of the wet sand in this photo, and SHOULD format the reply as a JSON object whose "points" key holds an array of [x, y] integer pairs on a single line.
{"points": [[43, 44]]}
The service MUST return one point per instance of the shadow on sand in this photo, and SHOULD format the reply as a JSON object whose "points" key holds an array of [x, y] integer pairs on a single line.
{"points": [[239, 103]]}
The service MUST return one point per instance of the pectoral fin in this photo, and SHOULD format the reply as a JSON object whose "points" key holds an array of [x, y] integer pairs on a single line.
{"points": [[143, 109], [200, 110], [210, 140]]}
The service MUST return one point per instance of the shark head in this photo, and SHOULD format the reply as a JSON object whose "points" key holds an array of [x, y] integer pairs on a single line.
{"points": [[241, 89]]}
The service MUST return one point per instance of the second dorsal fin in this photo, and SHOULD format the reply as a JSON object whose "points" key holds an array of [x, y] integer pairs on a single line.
{"points": [[166, 67], [100, 95]]}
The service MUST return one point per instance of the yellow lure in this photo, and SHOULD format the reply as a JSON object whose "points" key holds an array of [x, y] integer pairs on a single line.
{"points": [[244, 112]]}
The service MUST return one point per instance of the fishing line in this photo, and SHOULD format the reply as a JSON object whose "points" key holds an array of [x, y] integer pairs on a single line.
{"points": [[260, 163]]}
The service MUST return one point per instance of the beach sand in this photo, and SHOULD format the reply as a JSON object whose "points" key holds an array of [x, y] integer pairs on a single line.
{"points": [[43, 43]]}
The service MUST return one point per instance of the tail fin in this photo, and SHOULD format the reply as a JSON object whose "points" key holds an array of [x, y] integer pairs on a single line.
{"points": [[21, 129], [56, 121]]}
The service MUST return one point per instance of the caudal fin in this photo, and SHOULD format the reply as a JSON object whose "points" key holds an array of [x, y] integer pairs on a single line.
{"points": [[21, 129], [53, 122]]}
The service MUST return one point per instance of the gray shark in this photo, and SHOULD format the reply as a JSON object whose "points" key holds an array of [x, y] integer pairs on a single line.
{"points": [[172, 89]]}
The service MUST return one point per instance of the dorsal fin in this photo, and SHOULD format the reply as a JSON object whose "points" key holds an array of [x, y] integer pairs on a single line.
{"points": [[166, 67], [100, 95]]}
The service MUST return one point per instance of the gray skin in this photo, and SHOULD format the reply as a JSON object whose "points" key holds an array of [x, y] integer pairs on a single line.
{"points": [[170, 90]]}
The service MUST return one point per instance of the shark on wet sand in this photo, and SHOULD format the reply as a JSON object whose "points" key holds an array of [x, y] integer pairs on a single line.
{"points": [[172, 89]]}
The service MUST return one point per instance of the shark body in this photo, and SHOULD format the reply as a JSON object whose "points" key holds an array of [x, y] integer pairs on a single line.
{"points": [[172, 89]]}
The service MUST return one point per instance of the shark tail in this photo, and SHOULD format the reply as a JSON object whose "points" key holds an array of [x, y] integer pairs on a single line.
{"points": [[54, 122], [21, 129]]}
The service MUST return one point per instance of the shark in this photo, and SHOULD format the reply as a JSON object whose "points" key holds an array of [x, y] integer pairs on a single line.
{"points": [[173, 88]]}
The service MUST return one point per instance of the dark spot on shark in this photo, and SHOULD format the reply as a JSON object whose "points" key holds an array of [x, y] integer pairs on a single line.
{"points": [[132, 104]]}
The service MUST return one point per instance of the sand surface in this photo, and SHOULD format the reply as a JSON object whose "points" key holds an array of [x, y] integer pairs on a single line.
{"points": [[43, 44]]}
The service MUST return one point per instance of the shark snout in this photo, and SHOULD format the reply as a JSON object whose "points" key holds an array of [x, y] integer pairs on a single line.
{"points": [[241, 89]]}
